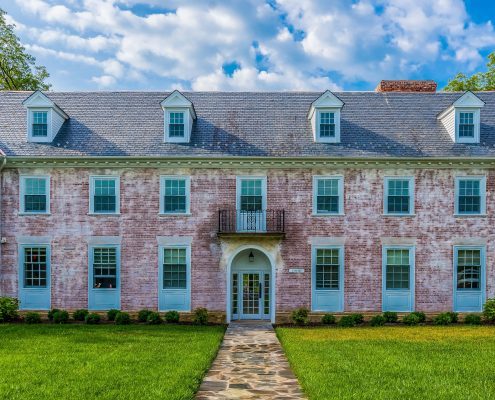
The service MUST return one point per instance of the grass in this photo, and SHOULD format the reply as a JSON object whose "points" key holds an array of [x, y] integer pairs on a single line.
{"points": [[424, 362], [104, 362]]}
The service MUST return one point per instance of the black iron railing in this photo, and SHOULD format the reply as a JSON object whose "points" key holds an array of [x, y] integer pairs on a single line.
{"points": [[241, 221]]}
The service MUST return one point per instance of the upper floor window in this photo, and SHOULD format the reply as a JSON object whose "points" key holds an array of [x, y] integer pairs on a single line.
{"points": [[40, 124], [105, 195], [35, 194], [328, 195], [466, 125], [470, 195], [174, 196], [327, 124], [399, 195], [176, 124]]}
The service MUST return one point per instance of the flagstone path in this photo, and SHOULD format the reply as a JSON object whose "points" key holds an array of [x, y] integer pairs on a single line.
{"points": [[250, 365]]}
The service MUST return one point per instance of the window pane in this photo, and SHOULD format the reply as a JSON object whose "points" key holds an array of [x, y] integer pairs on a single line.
{"points": [[35, 267], [176, 124], [251, 195], [397, 269], [174, 269], [175, 196], [35, 195], [469, 196], [469, 269], [466, 124], [40, 126], [398, 196], [105, 198], [104, 268], [327, 198], [327, 124], [327, 269]]}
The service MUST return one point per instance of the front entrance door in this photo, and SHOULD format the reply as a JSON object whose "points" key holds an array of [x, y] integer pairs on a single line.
{"points": [[251, 295]]}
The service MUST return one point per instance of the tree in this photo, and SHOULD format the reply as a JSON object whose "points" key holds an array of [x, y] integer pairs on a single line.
{"points": [[18, 69], [477, 82]]}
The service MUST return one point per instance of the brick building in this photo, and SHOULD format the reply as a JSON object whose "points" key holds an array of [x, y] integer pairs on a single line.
{"points": [[249, 204]]}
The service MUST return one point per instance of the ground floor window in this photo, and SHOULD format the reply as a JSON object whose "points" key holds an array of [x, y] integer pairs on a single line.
{"points": [[468, 268], [174, 268], [398, 269], [104, 268], [35, 267], [327, 268]]}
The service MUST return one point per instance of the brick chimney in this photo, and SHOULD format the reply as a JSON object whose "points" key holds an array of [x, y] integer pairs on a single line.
{"points": [[407, 86]]}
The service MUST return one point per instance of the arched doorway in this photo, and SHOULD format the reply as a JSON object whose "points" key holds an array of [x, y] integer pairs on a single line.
{"points": [[250, 285]]}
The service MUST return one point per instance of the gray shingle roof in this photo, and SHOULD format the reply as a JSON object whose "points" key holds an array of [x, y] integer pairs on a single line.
{"points": [[246, 124]]}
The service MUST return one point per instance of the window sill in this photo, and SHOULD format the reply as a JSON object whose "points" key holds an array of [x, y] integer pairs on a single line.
{"points": [[175, 214], [104, 214], [470, 215], [328, 215], [399, 215], [23, 214]]}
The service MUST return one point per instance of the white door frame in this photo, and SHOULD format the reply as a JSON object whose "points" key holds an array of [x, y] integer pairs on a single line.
{"points": [[229, 280]]}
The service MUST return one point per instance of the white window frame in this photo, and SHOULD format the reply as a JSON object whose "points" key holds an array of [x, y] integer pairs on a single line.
{"points": [[340, 179], [476, 122], [22, 192], [92, 179], [185, 138], [49, 119], [482, 179], [386, 181], [187, 179], [336, 112]]}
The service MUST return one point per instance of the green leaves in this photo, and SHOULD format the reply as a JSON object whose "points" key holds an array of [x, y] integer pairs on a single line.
{"points": [[480, 81]]}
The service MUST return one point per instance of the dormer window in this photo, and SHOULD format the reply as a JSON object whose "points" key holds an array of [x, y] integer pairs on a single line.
{"points": [[44, 118], [462, 118], [176, 124], [179, 116], [324, 115], [327, 124], [40, 124]]}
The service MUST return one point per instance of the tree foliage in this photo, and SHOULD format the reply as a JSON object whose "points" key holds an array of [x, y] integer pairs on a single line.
{"points": [[18, 69], [481, 81]]}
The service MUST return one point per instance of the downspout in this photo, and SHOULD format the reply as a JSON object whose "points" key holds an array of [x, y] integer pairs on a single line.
{"points": [[2, 166]]}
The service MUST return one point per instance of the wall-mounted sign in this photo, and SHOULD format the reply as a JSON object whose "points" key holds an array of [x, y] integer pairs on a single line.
{"points": [[296, 270]]}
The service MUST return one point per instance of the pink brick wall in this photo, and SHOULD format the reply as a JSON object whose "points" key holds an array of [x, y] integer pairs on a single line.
{"points": [[434, 228]]}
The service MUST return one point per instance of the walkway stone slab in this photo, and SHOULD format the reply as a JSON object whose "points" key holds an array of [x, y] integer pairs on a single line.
{"points": [[250, 365]]}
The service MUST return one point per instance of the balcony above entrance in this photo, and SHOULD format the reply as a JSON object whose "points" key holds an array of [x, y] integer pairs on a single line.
{"points": [[266, 223]]}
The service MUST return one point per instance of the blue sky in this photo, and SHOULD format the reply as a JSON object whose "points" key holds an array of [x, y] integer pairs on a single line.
{"points": [[252, 44]]}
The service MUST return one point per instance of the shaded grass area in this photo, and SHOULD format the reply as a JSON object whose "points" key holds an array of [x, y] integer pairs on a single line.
{"points": [[456, 362], [105, 362]]}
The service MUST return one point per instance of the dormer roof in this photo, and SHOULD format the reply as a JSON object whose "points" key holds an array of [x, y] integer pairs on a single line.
{"points": [[39, 100], [177, 100], [326, 100]]}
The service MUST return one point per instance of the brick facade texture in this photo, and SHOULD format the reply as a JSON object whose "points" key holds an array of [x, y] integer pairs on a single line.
{"points": [[433, 228]]}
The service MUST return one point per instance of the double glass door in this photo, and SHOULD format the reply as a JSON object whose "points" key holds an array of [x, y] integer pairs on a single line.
{"points": [[251, 295]]}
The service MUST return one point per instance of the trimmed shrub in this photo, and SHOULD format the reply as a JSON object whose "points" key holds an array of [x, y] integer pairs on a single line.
{"points": [[328, 319], [421, 316], [358, 318], [122, 318], [489, 310], [300, 316], [143, 315], [378, 320], [8, 309], [111, 314], [454, 317], [472, 319], [80, 315], [442, 319], [390, 316], [347, 321], [93, 319], [200, 316], [32, 318], [154, 318], [51, 313], [60, 317], [411, 319], [172, 317]]}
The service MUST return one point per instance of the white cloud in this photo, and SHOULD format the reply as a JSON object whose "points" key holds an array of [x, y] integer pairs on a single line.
{"points": [[295, 45]]}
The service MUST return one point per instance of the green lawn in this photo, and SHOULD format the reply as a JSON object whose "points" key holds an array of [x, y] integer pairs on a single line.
{"points": [[104, 362], [455, 362]]}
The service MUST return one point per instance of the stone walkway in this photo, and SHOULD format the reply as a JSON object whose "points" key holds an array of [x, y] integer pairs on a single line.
{"points": [[250, 365]]}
